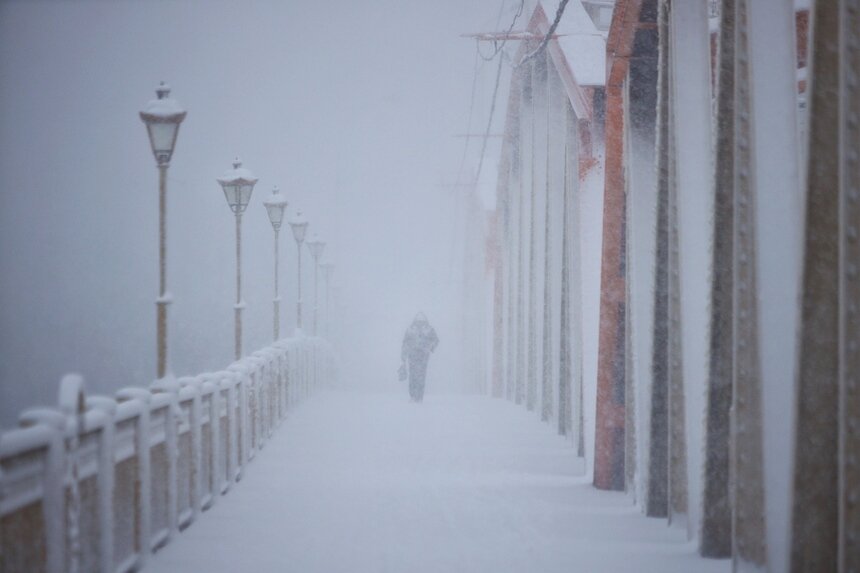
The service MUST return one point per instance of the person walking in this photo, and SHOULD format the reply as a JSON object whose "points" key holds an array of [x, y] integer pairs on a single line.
{"points": [[418, 342]]}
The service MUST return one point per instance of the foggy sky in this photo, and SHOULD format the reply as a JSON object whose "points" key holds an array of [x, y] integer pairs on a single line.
{"points": [[349, 107]]}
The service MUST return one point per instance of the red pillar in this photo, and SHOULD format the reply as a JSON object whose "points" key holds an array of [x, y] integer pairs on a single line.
{"points": [[609, 434]]}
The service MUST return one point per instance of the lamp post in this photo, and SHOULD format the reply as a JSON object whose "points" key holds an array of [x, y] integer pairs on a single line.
{"points": [[238, 184], [316, 247], [299, 226], [328, 271], [275, 206], [162, 117]]}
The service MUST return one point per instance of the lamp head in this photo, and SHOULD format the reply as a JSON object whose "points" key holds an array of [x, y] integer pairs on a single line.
{"points": [[275, 205], [162, 117], [316, 247], [299, 226], [238, 184]]}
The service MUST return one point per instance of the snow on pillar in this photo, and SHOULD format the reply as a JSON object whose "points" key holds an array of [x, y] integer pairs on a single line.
{"points": [[815, 516], [523, 221], [678, 483], [565, 384], [716, 516], [778, 206], [554, 211], [511, 251], [849, 302], [498, 267], [629, 396], [572, 274], [641, 227], [547, 314], [748, 520], [536, 225], [656, 500], [691, 117]]}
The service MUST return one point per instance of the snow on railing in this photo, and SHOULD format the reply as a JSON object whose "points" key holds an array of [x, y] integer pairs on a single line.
{"points": [[98, 484]]}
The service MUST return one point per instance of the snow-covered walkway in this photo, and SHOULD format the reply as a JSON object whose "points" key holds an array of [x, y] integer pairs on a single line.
{"points": [[372, 483]]}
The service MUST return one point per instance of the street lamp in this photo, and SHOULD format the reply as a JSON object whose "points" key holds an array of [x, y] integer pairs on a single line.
{"points": [[162, 117], [275, 206], [316, 247], [238, 184], [300, 226], [328, 271]]}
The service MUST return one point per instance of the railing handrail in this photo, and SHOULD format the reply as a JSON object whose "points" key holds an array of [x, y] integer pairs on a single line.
{"points": [[152, 458]]}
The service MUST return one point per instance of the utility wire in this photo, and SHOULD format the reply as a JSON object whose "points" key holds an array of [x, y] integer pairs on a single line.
{"points": [[490, 121], [497, 50], [469, 123], [499, 46], [558, 14], [549, 34]]}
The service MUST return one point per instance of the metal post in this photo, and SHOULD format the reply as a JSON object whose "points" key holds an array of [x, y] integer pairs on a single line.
{"points": [[316, 305], [239, 305], [162, 301], [328, 302], [815, 527], [849, 290], [277, 300], [747, 474], [299, 301], [539, 91], [717, 519], [656, 498], [676, 394], [564, 355], [546, 333]]}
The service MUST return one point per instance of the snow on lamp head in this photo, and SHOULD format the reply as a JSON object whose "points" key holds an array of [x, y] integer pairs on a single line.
{"points": [[299, 226], [162, 117], [238, 184], [328, 269], [275, 206], [316, 247]]}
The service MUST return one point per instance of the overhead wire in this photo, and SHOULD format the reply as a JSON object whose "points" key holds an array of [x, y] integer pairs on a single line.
{"points": [[489, 121], [531, 55], [499, 46], [558, 13], [469, 122]]}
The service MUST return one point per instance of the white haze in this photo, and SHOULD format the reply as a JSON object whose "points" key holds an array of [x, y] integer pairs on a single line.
{"points": [[349, 107]]}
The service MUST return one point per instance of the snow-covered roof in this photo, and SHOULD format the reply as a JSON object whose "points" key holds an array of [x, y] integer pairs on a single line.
{"points": [[583, 45], [578, 52], [587, 58]]}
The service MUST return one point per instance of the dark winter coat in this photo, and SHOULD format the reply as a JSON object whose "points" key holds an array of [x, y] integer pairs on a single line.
{"points": [[419, 341]]}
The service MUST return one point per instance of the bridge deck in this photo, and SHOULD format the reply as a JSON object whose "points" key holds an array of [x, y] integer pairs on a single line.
{"points": [[355, 482]]}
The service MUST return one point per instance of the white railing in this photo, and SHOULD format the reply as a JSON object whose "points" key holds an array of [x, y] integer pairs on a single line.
{"points": [[98, 484]]}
